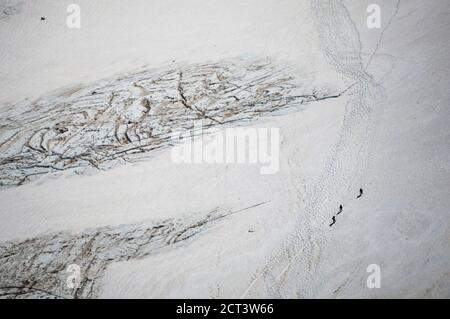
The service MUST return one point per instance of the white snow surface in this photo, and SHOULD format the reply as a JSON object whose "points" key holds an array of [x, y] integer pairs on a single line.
{"points": [[388, 134]]}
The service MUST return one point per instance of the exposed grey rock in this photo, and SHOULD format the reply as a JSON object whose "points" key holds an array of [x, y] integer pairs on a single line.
{"points": [[101, 126], [37, 267]]}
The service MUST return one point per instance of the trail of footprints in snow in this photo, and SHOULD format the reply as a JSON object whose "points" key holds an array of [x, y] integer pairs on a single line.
{"points": [[113, 122], [36, 268]]}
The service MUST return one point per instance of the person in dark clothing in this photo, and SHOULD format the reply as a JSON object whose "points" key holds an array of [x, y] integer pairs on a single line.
{"points": [[334, 221], [340, 209], [360, 193]]}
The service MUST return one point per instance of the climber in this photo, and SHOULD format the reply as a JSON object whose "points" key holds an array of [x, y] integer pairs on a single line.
{"points": [[360, 193], [334, 221]]}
